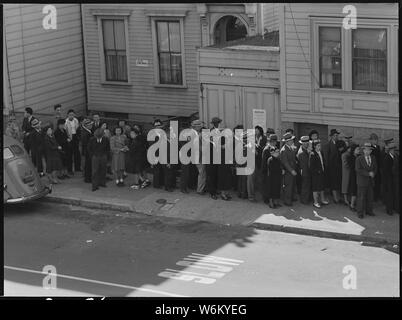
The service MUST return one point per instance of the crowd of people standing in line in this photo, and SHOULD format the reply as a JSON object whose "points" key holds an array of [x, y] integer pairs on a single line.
{"points": [[286, 168]]}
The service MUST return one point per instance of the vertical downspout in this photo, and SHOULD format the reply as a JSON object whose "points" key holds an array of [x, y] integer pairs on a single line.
{"points": [[84, 61]]}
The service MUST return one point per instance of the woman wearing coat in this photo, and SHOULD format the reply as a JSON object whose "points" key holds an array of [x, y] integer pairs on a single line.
{"points": [[137, 157], [52, 152], [118, 148], [317, 169]]}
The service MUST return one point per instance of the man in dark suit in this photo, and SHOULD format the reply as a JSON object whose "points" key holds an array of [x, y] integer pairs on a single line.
{"points": [[96, 122], [304, 171], [37, 144], [157, 169], [377, 154], [366, 169], [98, 148], [288, 160], [27, 128], [389, 186], [86, 135], [333, 163]]}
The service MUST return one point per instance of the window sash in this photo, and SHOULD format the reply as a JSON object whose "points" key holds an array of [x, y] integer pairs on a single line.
{"points": [[330, 73], [169, 58], [115, 54], [369, 65]]}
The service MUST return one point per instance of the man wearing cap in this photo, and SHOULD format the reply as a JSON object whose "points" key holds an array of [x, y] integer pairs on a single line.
{"points": [[57, 115], [366, 169], [333, 163], [157, 169], [305, 176], [390, 196], [37, 145], [377, 154], [86, 135], [288, 160]]}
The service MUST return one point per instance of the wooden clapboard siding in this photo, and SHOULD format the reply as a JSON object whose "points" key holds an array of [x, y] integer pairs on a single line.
{"points": [[46, 67], [270, 16], [300, 100], [142, 96]]}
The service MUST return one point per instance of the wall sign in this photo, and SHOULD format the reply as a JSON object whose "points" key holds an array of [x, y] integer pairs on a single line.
{"points": [[260, 118], [142, 63]]}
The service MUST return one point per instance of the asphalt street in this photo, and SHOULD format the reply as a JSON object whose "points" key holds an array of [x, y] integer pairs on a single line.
{"points": [[97, 253]]}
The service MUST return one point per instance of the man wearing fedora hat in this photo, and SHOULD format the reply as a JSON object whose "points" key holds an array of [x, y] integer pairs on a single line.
{"points": [[37, 145], [377, 154], [305, 176], [27, 128], [213, 169], [391, 198], [366, 169], [333, 163], [86, 135], [289, 163]]}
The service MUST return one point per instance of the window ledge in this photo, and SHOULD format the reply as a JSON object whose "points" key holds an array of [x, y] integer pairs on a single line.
{"points": [[116, 83], [110, 12], [174, 86], [384, 93]]}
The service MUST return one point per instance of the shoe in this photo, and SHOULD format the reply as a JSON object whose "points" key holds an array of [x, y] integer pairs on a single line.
{"points": [[60, 177], [41, 174], [94, 188], [135, 186], [252, 200], [271, 206], [353, 209], [66, 176], [145, 184], [325, 202], [103, 185], [184, 191], [288, 204], [360, 215], [214, 196], [224, 197], [370, 214], [70, 174], [278, 205], [317, 205]]}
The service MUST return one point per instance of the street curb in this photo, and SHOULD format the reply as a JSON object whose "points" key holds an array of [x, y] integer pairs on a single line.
{"points": [[365, 240], [89, 203]]}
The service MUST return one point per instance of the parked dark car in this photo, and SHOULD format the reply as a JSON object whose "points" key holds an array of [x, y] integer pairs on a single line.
{"points": [[21, 179]]}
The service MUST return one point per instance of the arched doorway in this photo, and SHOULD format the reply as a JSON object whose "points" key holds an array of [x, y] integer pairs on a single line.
{"points": [[229, 28]]}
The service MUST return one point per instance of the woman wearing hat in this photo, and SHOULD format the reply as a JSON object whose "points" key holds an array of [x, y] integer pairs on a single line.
{"points": [[289, 163], [352, 187], [52, 151], [317, 169], [61, 137], [118, 148], [346, 173], [272, 172], [376, 152]]}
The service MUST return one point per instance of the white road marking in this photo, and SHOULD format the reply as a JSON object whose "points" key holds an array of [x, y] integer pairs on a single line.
{"points": [[97, 282]]}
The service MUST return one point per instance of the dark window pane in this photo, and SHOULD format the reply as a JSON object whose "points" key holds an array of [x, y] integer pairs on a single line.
{"points": [[369, 63], [119, 35]]}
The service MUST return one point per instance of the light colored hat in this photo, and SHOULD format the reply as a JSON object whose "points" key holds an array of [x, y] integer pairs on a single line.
{"points": [[287, 137], [368, 145], [304, 139], [196, 123]]}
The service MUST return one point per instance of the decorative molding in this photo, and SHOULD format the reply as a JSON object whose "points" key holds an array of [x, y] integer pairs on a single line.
{"points": [[110, 12], [165, 13]]}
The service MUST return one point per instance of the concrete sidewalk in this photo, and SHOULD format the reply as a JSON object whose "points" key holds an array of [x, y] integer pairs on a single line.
{"points": [[335, 221]]}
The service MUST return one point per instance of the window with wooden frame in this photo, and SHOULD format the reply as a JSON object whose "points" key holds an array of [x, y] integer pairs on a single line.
{"points": [[369, 59], [168, 47], [114, 49]]}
